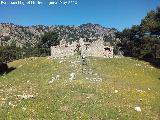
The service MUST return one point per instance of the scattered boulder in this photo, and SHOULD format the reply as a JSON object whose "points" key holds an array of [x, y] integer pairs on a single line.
{"points": [[96, 79], [72, 76], [24, 109], [87, 78], [116, 91], [138, 109], [140, 91], [60, 61], [10, 104], [24, 96], [50, 82], [57, 77], [54, 78]]}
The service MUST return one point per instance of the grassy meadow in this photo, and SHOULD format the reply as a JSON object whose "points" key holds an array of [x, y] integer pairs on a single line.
{"points": [[104, 89]]}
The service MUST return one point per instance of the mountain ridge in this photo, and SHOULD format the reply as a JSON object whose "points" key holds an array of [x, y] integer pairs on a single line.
{"points": [[11, 33]]}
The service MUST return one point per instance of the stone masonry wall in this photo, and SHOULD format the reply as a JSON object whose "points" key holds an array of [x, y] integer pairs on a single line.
{"points": [[96, 49]]}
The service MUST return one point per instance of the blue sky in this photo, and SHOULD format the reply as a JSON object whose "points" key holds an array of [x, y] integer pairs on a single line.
{"points": [[119, 14]]}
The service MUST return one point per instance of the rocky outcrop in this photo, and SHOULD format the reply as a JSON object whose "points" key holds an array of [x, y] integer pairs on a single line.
{"points": [[20, 36]]}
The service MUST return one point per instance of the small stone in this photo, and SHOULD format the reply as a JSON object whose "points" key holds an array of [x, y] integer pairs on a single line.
{"points": [[54, 78], [23, 108], [60, 61], [72, 76], [24, 96], [57, 77], [116, 91], [140, 91], [10, 103], [50, 82], [138, 109], [95, 74], [20, 66], [87, 78], [3, 99]]}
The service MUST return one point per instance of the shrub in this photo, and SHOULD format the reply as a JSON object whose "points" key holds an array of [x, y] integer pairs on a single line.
{"points": [[3, 67]]}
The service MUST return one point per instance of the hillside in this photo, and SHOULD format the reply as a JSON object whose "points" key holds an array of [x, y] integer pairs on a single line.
{"points": [[30, 35], [43, 88]]}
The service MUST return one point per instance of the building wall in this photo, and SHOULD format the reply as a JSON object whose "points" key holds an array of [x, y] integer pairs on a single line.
{"points": [[95, 49]]}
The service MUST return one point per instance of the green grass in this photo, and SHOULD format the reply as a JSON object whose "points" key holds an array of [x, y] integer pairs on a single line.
{"points": [[137, 82]]}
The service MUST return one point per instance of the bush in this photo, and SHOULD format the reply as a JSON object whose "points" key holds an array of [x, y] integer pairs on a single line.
{"points": [[48, 39], [3, 67]]}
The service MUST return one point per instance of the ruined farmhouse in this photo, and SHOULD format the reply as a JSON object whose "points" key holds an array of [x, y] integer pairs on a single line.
{"points": [[96, 48]]}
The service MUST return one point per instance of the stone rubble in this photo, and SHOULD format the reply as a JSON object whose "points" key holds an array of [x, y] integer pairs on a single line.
{"points": [[24, 96], [54, 78], [96, 48]]}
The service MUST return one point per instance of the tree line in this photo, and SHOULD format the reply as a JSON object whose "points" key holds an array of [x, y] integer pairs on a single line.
{"points": [[10, 53], [143, 41]]}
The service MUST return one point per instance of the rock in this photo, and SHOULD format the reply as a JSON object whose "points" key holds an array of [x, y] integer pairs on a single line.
{"points": [[10, 104], [138, 64], [24, 96], [20, 66], [23, 108], [19, 34], [50, 82], [87, 78], [116, 91], [72, 76], [57, 77], [140, 91], [60, 61], [138, 109], [95, 74], [54, 78], [96, 79]]}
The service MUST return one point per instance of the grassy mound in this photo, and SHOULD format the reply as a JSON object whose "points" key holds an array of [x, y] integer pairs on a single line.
{"points": [[41, 88]]}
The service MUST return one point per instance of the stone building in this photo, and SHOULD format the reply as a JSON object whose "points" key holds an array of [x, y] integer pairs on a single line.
{"points": [[96, 48]]}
